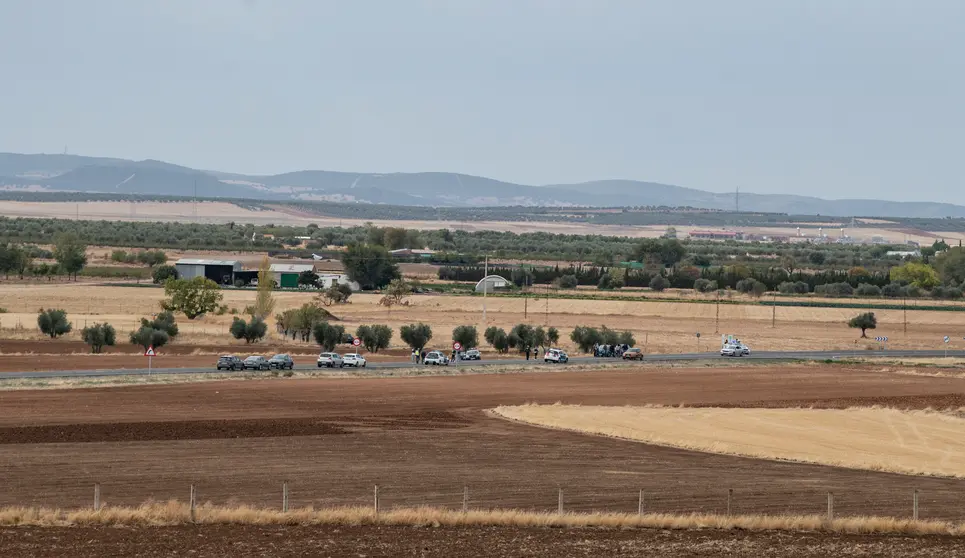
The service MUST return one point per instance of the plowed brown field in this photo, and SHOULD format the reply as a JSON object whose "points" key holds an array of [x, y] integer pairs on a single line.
{"points": [[423, 439]]}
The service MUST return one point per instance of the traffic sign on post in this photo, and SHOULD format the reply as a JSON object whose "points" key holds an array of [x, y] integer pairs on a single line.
{"points": [[946, 339], [457, 346], [356, 341], [149, 353]]}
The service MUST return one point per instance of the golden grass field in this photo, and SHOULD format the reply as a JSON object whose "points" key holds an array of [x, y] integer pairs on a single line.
{"points": [[223, 212], [179, 513], [658, 326], [873, 438]]}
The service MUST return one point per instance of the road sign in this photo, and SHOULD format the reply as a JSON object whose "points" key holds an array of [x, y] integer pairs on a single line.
{"points": [[457, 346], [698, 335], [149, 352], [356, 341], [946, 339], [881, 339]]}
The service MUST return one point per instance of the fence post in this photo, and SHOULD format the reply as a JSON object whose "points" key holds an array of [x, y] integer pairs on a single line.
{"points": [[97, 496], [559, 503], [284, 497], [192, 503], [914, 505], [830, 506], [730, 496], [465, 499], [640, 503], [376, 500]]}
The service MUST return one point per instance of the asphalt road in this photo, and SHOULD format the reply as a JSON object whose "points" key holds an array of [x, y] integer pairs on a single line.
{"points": [[771, 355]]}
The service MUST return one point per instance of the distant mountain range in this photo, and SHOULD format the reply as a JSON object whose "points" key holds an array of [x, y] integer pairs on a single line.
{"points": [[74, 173]]}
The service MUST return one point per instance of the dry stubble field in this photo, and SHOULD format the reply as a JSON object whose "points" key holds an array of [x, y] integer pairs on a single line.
{"points": [[423, 439]]}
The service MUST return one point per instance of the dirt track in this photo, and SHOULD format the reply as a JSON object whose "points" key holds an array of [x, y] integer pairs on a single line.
{"points": [[423, 439], [382, 541]]}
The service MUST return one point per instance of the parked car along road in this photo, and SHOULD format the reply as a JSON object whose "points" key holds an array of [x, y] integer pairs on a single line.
{"points": [[354, 359], [633, 354], [556, 355], [471, 354], [230, 362], [281, 362], [330, 360], [735, 350], [256, 362], [436, 358]]}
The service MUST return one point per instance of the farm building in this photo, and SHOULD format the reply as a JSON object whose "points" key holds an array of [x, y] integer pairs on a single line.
{"points": [[286, 275], [325, 280], [492, 283], [716, 235], [219, 271]]}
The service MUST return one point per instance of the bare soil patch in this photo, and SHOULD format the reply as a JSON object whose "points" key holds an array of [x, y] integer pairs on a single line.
{"points": [[451, 444], [375, 541]]}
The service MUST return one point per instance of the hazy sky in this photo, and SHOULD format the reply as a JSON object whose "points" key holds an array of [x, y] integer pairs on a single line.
{"points": [[835, 98]]}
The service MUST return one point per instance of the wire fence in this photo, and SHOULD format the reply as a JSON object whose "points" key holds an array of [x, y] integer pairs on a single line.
{"points": [[914, 504]]}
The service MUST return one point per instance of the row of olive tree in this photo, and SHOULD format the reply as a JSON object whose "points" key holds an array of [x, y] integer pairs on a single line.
{"points": [[522, 338]]}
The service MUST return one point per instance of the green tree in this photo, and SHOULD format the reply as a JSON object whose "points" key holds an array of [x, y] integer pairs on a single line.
{"points": [[370, 266], [568, 282], [162, 321], [864, 322], [192, 297], [553, 335], [98, 336], [817, 258], [951, 264], [164, 272], [147, 336], [251, 331], [585, 337], [497, 338], [308, 278], [626, 338], [328, 335], [659, 283], [53, 322], [918, 274], [416, 336], [264, 301], [374, 337], [466, 335], [71, 253], [336, 293]]}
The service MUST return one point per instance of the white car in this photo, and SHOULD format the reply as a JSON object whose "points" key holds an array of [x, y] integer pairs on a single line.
{"points": [[735, 350], [556, 355], [354, 359], [330, 360], [436, 358]]}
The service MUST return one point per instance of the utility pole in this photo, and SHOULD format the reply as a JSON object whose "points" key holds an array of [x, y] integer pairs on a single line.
{"points": [[904, 312], [774, 309], [717, 319], [485, 288]]}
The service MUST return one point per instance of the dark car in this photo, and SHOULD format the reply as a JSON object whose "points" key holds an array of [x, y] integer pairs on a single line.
{"points": [[281, 362], [256, 362], [230, 362]]}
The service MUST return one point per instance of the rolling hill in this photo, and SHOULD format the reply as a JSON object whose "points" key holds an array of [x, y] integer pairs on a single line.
{"points": [[74, 173]]}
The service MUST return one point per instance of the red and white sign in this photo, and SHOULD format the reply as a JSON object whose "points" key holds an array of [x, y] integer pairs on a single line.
{"points": [[356, 341], [149, 351], [457, 346]]}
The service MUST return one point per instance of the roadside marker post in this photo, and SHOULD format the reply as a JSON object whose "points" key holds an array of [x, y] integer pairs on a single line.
{"points": [[946, 346], [149, 353]]}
